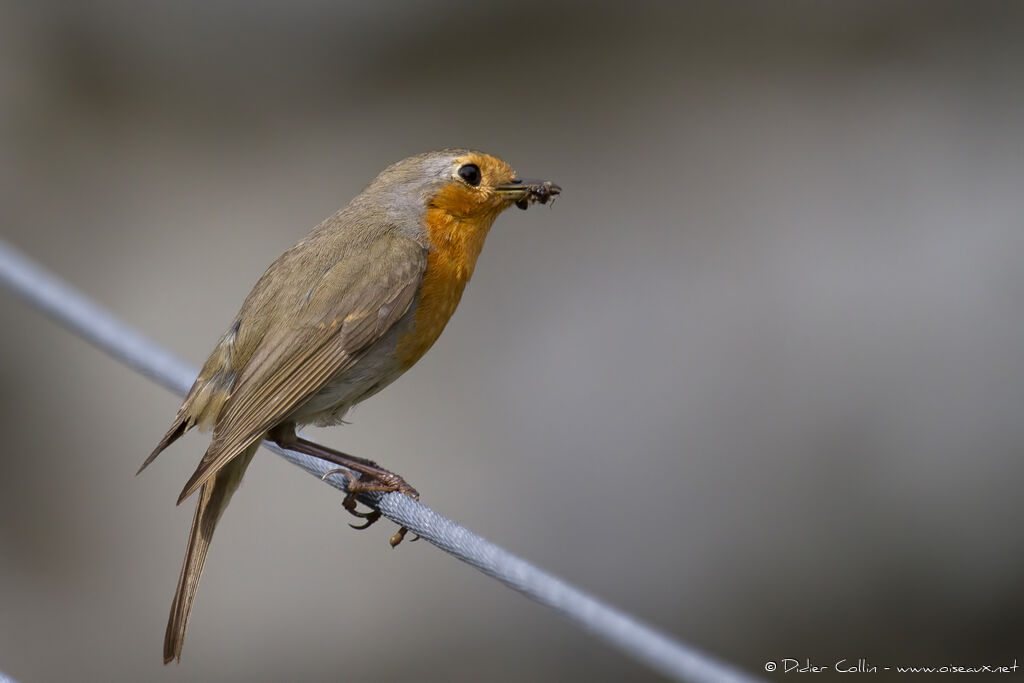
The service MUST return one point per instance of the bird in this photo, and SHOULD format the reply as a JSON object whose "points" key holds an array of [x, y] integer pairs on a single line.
{"points": [[336, 318]]}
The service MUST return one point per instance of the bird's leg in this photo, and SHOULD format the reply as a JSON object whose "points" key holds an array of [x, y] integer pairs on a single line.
{"points": [[372, 477]]}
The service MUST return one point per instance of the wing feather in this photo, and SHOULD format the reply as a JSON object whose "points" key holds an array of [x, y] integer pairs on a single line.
{"points": [[352, 307]]}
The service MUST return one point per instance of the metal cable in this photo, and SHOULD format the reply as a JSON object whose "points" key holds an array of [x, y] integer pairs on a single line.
{"points": [[87, 319]]}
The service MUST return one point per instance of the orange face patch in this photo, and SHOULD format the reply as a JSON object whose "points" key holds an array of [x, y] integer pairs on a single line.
{"points": [[462, 200]]}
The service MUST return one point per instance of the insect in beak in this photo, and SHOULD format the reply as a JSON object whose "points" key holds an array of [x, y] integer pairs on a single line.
{"points": [[528, 191]]}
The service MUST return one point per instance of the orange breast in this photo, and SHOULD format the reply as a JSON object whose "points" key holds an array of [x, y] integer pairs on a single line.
{"points": [[457, 237]]}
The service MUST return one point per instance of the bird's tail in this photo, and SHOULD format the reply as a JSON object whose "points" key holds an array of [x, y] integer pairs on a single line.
{"points": [[213, 499]]}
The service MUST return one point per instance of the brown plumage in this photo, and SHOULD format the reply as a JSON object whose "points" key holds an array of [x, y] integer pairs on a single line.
{"points": [[333, 320]]}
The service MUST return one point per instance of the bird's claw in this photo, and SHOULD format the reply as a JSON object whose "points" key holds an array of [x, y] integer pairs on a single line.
{"points": [[386, 484], [370, 519], [350, 504], [400, 534]]}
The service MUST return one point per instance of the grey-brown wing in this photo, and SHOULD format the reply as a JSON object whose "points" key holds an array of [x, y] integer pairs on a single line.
{"points": [[351, 308]]}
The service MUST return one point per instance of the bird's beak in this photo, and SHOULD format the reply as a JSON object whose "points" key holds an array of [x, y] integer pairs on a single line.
{"points": [[524, 192]]}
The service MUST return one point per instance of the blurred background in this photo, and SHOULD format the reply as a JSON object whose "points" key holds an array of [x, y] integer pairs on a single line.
{"points": [[756, 378]]}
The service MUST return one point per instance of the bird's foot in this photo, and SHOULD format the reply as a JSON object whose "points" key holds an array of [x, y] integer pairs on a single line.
{"points": [[385, 482]]}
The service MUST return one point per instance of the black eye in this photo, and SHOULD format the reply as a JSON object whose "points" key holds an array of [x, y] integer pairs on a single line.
{"points": [[470, 173]]}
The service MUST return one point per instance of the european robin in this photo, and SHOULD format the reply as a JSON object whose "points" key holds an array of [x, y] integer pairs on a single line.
{"points": [[334, 320]]}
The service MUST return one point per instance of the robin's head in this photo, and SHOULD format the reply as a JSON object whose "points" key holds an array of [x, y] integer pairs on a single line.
{"points": [[462, 185], [474, 183]]}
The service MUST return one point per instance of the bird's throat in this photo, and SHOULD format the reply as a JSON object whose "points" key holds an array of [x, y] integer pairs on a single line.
{"points": [[456, 243]]}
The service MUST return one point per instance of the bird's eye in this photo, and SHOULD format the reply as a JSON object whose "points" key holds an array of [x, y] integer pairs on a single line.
{"points": [[470, 173]]}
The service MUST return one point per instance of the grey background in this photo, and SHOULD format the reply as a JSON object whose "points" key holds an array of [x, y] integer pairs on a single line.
{"points": [[756, 378]]}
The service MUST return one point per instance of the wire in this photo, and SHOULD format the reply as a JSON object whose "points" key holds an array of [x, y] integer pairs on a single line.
{"points": [[89, 320]]}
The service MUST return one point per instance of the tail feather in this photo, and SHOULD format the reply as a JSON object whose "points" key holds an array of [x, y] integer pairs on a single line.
{"points": [[213, 499]]}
